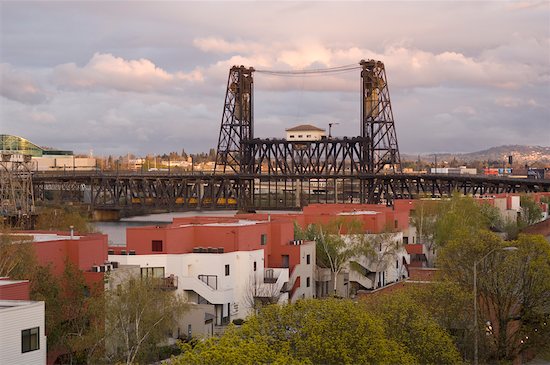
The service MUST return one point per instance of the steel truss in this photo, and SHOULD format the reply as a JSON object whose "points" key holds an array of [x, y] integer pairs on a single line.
{"points": [[141, 193]]}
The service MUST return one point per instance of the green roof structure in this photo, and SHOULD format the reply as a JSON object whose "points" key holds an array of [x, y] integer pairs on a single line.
{"points": [[19, 145]]}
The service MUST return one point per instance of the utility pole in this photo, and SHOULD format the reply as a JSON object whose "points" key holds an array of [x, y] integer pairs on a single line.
{"points": [[330, 128]]}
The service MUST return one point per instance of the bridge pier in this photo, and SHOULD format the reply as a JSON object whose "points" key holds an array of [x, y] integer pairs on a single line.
{"points": [[109, 215]]}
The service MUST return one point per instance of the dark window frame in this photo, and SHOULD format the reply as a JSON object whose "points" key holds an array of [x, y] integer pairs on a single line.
{"points": [[227, 270], [26, 339], [156, 245]]}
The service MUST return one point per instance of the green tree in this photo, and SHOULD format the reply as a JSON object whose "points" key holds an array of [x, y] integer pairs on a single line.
{"points": [[137, 317], [336, 243], [327, 331], [458, 214], [531, 212], [414, 327], [513, 287], [424, 218]]}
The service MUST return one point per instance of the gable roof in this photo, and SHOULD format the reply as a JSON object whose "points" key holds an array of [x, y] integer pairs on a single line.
{"points": [[304, 127]]}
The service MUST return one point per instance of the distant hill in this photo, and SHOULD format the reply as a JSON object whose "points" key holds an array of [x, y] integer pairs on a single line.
{"points": [[521, 154]]}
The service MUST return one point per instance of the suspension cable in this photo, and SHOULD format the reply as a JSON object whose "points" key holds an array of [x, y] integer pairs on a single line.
{"points": [[303, 72]]}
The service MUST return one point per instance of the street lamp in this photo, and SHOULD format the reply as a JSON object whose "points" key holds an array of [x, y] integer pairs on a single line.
{"points": [[509, 248]]}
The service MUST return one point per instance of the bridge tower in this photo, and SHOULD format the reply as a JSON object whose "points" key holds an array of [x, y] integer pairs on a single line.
{"points": [[237, 120], [377, 119]]}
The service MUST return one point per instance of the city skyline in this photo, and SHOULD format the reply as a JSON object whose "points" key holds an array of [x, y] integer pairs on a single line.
{"points": [[150, 77]]}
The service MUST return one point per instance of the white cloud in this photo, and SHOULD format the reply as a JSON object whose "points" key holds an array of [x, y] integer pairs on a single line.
{"points": [[105, 71], [20, 86]]}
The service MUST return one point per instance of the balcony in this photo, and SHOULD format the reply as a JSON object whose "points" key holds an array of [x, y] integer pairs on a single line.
{"points": [[168, 283]]}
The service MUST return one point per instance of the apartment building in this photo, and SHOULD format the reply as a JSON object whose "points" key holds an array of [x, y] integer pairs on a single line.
{"points": [[227, 262], [22, 325], [382, 226]]}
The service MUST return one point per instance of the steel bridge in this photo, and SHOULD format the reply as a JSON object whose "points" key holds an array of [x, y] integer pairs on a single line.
{"points": [[252, 173], [139, 193]]}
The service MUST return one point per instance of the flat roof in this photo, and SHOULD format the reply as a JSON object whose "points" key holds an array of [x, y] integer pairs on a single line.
{"points": [[360, 212], [240, 222], [8, 304], [45, 237], [11, 282]]}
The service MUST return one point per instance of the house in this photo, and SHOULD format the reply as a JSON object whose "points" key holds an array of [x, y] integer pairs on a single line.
{"points": [[305, 132]]}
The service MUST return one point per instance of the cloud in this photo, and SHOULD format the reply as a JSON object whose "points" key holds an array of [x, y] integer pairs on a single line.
{"points": [[407, 67], [105, 71], [20, 86]]}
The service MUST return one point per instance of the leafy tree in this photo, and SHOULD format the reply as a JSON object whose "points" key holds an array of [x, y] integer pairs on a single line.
{"points": [[137, 317], [414, 327], [334, 251], [458, 214], [513, 287], [424, 219], [16, 255], [327, 331], [82, 310], [531, 212], [61, 219]]}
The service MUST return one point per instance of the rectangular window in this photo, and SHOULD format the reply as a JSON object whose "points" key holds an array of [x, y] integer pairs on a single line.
{"points": [[397, 264], [254, 265], [300, 135], [285, 260], [226, 270], [406, 240], [152, 272], [263, 240], [308, 259], [308, 283], [157, 246], [30, 339]]}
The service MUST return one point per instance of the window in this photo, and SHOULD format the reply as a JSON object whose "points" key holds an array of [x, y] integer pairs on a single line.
{"points": [[308, 259], [189, 331], [152, 272], [226, 270], [157, 246], [308, 135], [254, 265], [406, 240], [30, 339], [308, 283], [263, 239], [397, 264], [380, 247], [300, 135], [292, 136], [285, 260]]}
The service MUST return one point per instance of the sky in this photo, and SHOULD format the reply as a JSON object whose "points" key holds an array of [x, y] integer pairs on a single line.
{"points": [[150, 76]]}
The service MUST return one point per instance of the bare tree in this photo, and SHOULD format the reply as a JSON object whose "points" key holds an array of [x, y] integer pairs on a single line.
{"points": [[138, 316], [260, 292]]}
